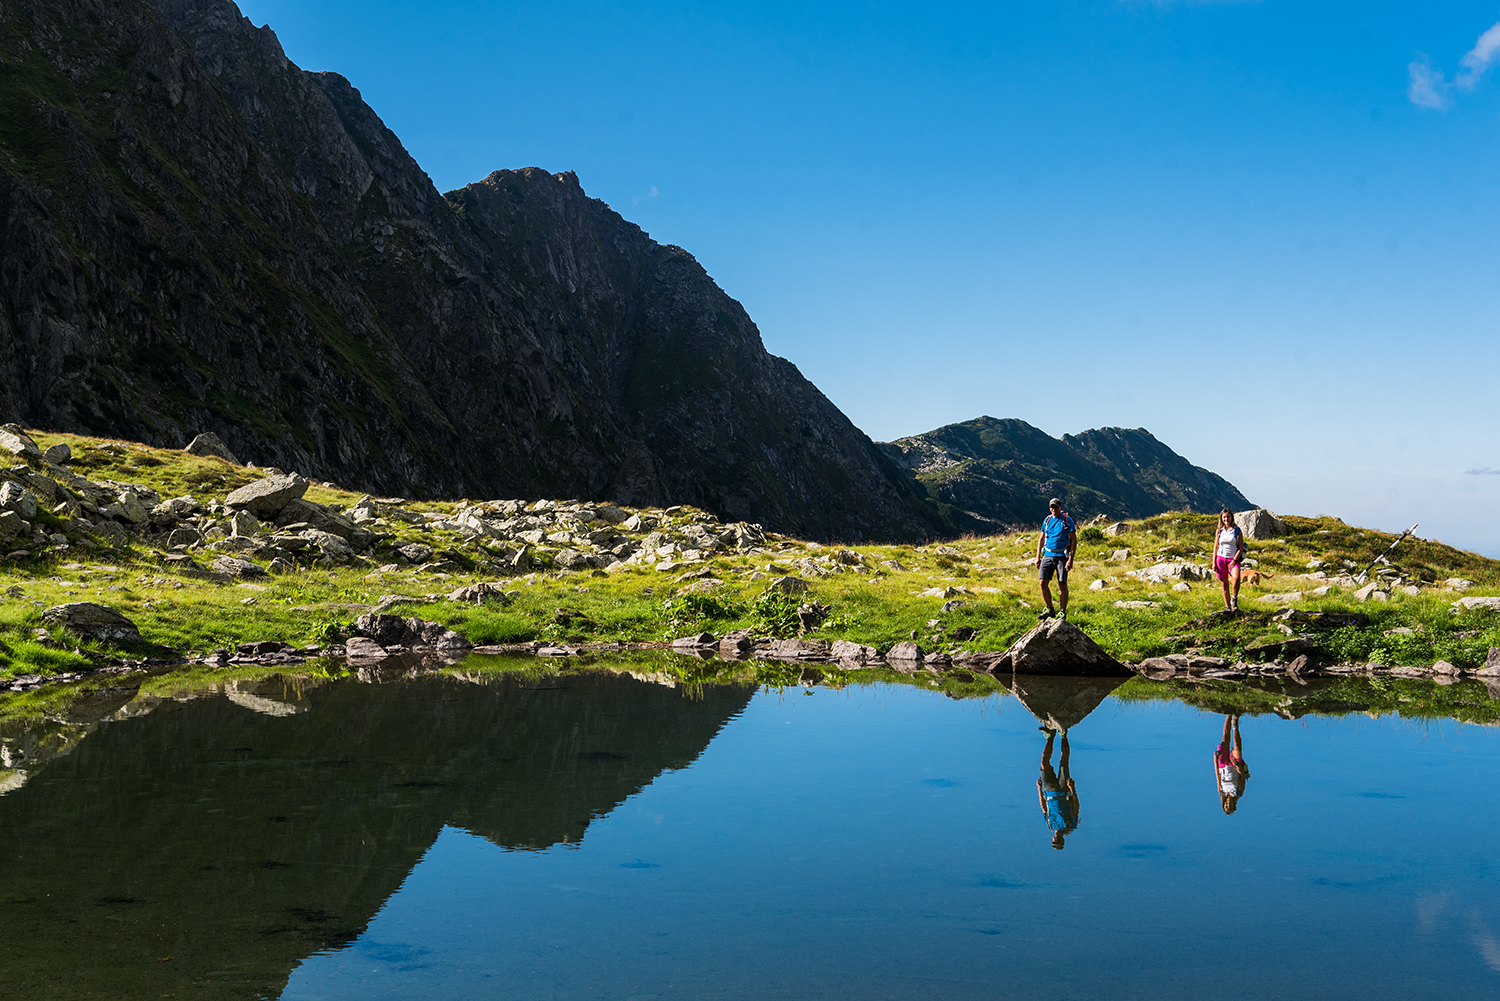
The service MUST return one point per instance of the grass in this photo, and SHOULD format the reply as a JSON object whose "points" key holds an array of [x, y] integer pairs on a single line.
{"points": [[180, 614]]}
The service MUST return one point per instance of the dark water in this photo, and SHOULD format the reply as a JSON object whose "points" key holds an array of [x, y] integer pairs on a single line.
{"points": [[596, 836]]}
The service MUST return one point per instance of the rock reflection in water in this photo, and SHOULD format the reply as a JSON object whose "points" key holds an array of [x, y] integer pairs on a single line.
{"points": [[206, 849], [1059, 704]]}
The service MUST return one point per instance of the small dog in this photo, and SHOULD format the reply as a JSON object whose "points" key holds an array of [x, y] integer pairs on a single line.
{"points": [[1250, 576]]}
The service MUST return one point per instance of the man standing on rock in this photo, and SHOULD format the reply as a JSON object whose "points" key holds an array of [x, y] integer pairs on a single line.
{"points": [[1054, 554]]}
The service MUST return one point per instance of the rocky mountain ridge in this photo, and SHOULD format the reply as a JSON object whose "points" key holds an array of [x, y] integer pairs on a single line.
{"points": [[198, 235], [990, 474]]}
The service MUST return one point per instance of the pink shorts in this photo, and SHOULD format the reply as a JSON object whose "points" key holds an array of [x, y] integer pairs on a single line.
{"points": [[1222, 565]]}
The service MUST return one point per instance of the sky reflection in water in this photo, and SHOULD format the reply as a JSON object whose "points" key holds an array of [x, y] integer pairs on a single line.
{"points": [[886, 842]]}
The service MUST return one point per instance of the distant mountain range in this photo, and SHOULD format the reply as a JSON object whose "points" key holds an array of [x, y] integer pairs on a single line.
{"points": [[987, 473]]}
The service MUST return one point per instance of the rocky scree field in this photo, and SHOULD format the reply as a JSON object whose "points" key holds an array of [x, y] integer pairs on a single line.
{"points": [[204, 559]]}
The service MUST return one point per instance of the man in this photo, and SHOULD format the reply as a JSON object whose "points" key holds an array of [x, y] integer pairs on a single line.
{"points": [[1054, 554]]}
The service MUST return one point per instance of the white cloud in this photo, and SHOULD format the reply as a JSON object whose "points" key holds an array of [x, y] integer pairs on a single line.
{"points": [[1484, 54], [1428, 89], [653, 193], [1482, 471]]}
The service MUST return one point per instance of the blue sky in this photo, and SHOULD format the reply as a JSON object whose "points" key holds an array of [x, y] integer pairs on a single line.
{"points": [[1266, 231]]}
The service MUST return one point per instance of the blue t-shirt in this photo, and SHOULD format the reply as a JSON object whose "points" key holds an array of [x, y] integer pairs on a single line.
{"points": [[1055, 532]]}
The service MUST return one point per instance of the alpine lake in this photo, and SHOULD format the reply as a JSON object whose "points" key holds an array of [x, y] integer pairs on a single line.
{"points": [[512, 829]]}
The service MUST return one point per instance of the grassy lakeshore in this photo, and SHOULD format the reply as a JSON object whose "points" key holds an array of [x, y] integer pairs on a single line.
{"points": [[874, 594]]}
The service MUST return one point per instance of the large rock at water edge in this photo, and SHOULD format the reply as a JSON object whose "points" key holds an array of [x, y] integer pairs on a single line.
{"points": [[1260, 524], [266, 497], [1058, 647], [97, 622]]}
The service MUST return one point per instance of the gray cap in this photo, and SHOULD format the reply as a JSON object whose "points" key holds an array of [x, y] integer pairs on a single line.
{"points": [[1054, 502]]}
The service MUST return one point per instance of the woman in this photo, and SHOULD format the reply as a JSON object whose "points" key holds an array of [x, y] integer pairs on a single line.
{"points": [[1230, 771], [1229, 551]]}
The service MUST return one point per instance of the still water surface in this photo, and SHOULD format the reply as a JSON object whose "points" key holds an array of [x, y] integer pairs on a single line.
{"points": [[597, 836]]}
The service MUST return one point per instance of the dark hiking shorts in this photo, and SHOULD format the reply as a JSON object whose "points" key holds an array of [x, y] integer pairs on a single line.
{"points": [[1051, 565]]}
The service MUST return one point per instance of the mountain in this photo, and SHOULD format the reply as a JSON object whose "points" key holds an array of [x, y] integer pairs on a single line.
{"points": [[198, 235], [989, 473]]}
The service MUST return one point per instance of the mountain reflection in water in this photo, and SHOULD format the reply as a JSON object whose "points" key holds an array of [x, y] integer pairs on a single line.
{"points": [[423, 838], [206, 849]]}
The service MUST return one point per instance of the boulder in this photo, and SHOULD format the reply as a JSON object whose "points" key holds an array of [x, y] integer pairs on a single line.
{"points": [[391, 631], [795, 650], [905, 650], [1118, 556], [788, 585], [18, 443], [1491, 668], [236, 567], [699, 640], [1475, 601], [1116, 530], [364, 648], [1097, 585], [14, 497], [847, 650], [1058, 647], [266, 497], [209, 443], [59, 454], [1260, 524], [735, 643], [1138, 606], [243, 523], [97, 622], [1444, 667]]}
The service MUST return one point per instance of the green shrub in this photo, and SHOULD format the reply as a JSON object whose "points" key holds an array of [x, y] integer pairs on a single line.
{"points": [[775, 614], [1091, 534]]}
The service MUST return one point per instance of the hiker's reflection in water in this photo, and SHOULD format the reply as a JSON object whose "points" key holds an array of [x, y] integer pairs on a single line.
{"points": [[1056, 793], [1230, 771]]}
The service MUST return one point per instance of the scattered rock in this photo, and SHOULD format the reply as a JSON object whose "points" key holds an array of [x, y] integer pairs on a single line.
{"points": [[788, 585], [1116, 530], [59, 454], [478, 593], [1444, 667], [266, 497], [1139, 606], [14, 497], [1097, 585], [1458, 583], [1118, 556], [18, 443], [953, 606], [209, 443], [1491, 668], [98, 622], [1281, 599], [1184, 586]]}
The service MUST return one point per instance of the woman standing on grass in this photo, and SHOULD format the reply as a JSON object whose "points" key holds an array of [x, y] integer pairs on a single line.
{"points": [[1230, 771], [1229, 551]]}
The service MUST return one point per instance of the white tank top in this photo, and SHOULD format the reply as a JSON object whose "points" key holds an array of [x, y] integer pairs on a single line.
{"points": [[1229, 542]]}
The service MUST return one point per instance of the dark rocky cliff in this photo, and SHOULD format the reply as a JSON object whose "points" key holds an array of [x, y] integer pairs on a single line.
{"points": [[197, 235], [989, 473]]}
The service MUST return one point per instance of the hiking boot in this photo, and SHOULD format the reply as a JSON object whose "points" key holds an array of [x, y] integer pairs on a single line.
{"points": [[1044, 614], [1063, 615]]}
